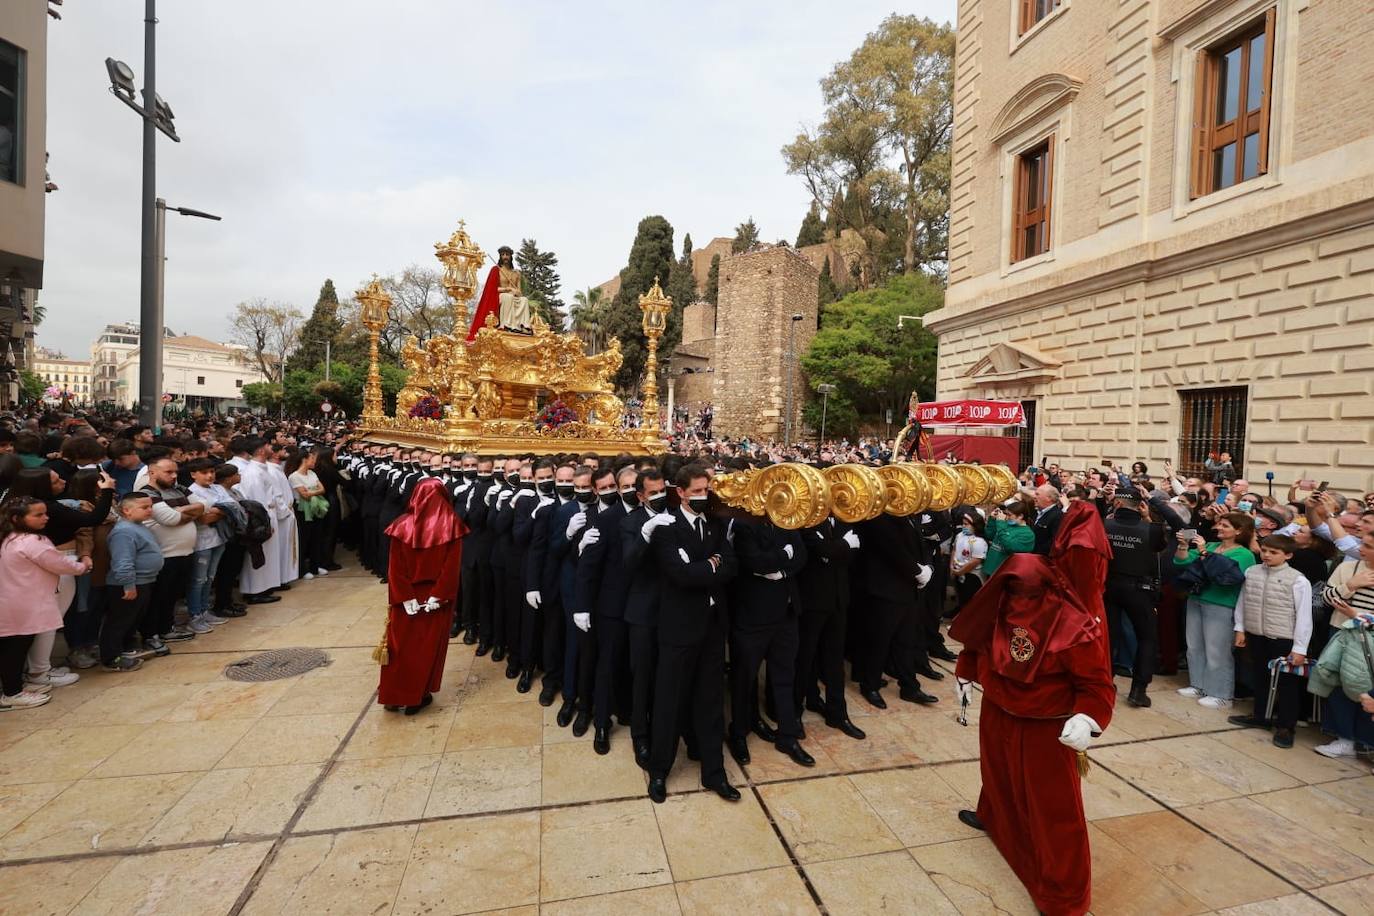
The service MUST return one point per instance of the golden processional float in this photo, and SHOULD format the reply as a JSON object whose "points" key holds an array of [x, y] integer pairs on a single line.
{"points": [[486, 396]]}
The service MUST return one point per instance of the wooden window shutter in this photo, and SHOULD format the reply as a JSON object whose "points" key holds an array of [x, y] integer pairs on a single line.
{"points": [[1027, 15], [1201, 154], [1048, 203], [1267, 103]]}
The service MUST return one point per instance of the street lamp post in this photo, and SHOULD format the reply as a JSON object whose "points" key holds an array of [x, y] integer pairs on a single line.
{"points": [[791, 371], [826, 389]]}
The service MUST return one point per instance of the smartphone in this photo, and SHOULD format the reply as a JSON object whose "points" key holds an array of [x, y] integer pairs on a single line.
{"points": [[1189, 534], [1321, 487]]}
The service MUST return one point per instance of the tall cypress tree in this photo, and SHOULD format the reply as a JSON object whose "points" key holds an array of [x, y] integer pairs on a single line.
{"points": [[712, 292], [541, 282], [812, 230], [323, 324], [681, 285], [651, 256]]}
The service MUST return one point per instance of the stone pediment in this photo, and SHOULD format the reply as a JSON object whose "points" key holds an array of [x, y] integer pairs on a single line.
{"points": [[1034, 100], [1009, 362]]}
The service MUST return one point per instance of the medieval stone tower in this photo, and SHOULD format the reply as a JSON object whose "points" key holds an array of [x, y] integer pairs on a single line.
{"points": [[760, 292]]}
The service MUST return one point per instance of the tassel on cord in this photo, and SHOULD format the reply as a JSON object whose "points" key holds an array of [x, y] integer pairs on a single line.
{"points": [[1083, 765], [382, 655]]}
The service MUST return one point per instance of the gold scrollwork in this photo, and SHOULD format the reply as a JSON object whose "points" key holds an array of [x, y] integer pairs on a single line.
{"points": [[946, 485], [977, 483], [857, 492], [793, 495], [908, 491]]}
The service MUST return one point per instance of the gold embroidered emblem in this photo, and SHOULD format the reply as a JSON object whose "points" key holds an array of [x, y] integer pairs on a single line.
{"points": [[1021, 647]]}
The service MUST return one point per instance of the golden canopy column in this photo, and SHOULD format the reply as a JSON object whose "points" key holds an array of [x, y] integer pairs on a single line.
{"points": [[655, 306], [376, 305], [461, 259]]}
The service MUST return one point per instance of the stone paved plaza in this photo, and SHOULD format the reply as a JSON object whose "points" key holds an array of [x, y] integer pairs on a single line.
{"points": [[175, 790]]}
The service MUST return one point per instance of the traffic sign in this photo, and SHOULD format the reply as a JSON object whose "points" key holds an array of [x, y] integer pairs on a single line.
{"points": [[326, 407]]}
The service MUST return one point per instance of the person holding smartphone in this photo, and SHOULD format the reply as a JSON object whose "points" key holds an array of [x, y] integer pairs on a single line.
{"points": [[1211, 612]]}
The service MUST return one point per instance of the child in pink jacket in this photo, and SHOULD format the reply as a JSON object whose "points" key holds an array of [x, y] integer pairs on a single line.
{"points": [[29, 569]]}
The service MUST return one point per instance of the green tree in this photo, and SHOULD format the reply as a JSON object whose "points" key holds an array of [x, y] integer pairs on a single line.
{"points": [[588, 317], [651, 255], [879, 159], [266, 395], [874, 364], [712, 292], [746, 237], [541, 282], [31, 385], [681, 285], [812, 230], [323, 325], [829, 292]]}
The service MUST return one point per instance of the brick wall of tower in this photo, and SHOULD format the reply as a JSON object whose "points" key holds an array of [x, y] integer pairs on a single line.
{"points": [[759, 292]]}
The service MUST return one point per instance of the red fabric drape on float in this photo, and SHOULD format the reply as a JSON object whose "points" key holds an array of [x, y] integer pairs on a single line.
{"points": [[488, 304]]}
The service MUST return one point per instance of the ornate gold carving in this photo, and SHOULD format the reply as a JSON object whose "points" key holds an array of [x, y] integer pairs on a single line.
{"points": [[977, 483], [793, 495], [857, 492], [907, 490], [375, 307], [946, 486], [655, 306], [1004, 483]]}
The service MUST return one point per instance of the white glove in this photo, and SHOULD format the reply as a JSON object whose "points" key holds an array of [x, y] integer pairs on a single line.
{"points": [[502, 497], [412, 606], [591, 537], [1079, 731], [576, 524], [787, 549], [852, 540], [772, 576], [963, 691], [533, 599], [522, 493], [490, 496], [433, 604], [923, 576], [583, 622], [646, 530]]}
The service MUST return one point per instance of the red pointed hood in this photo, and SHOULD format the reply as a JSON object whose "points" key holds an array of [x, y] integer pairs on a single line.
{"points": [[430, 520]]}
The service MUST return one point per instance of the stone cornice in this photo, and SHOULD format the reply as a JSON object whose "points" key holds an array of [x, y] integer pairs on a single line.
{"points": [[1034, 100], [1351, 216]]}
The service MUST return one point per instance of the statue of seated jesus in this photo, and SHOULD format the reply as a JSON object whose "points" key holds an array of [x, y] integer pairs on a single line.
{"points": [[503, 296]]}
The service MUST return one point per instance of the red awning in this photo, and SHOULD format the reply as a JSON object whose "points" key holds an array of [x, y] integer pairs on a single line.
{"points": [[971, 413]]}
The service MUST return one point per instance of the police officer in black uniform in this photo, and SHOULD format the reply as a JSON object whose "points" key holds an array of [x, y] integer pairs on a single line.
{"points": [[1133, 586]]}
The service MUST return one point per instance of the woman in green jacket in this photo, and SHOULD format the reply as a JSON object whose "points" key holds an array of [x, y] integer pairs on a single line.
{"points": [[1007, 533], [1211, 613]]}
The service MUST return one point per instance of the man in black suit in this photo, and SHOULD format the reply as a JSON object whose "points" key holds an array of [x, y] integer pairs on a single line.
{"points": [[501, 518], [765, 604], [568, 523], [541, 577], [478, 545], [1048, 515], [516, 544], [831, 548], [641, 603], [894, 568], [522, 536], [602, 586], [460, 485], [696, 563]]}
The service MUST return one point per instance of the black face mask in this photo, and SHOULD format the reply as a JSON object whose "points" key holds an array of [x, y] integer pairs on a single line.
{"points": [[608, 499], [513, 479], [698, 504], [484, 475], [527, 484], [658, 502], [585, 497], [545, 486], [565, 490], [470, 474], [630, 498]]}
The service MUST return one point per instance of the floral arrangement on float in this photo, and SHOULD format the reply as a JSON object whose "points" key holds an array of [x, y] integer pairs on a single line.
{"points": [[554, 415], [427, 408]]}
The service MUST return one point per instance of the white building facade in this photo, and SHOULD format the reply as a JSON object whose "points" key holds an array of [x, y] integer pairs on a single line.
{"points": [[71, 375], [197, 373]]}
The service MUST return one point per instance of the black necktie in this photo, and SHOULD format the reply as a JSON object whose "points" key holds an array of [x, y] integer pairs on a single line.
{"points": [[701, 529]]}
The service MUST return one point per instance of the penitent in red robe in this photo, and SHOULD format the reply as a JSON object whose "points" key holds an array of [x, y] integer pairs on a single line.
{"points": [[1081, 553], [1036, 651], [489, 304], [426, 553]]}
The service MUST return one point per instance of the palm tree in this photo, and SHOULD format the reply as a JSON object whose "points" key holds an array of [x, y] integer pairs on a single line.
{"points": [[588, 317]]}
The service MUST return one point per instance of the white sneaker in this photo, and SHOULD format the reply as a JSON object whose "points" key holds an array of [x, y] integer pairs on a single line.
{"points": [[321, 572], [25, 699], [308, 576], [214, 619], [1214, 703], [1341, 747], [197, 625], [1191, 693], [53, 677], [37, 688]]}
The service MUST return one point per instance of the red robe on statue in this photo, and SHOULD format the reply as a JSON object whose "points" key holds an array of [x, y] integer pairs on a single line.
{"points": [[488, 304], [1035, 650], [426, 552]]}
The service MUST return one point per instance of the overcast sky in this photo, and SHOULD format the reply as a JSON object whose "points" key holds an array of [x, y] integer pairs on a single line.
{"points": [[342, 137]]}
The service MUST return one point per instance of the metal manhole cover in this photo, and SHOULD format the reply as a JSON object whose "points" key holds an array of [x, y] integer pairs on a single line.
{"points": [[275, 664]]}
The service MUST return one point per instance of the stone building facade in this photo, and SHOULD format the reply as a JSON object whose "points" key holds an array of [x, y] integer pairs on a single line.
{"points": [[72, 375], [738, 355], [1147, 290]]}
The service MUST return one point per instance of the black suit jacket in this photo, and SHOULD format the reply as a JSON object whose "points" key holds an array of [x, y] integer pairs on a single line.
{"points": [[602, 583], [641, 570], [824, 581], [893, 553], [757, 601], [541, 575], [1045, 529], [692, 601]]}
